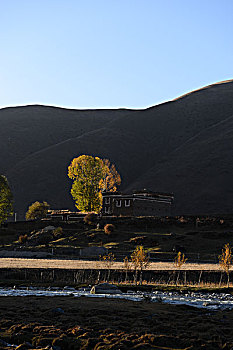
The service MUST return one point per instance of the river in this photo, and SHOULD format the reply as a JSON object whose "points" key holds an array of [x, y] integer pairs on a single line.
{"points": [[211, 301]]}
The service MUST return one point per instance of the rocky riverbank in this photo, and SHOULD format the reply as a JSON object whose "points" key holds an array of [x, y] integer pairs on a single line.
{"points": [[99, 323]]}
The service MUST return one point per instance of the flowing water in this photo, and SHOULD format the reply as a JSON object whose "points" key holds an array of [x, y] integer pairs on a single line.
{"points": [[212, 301]]}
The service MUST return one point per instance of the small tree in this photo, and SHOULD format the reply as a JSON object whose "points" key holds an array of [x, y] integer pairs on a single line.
{"points": [[225, 261], [140, 261], [108, 262], [6, 200], [179, 261], [37, 211]]}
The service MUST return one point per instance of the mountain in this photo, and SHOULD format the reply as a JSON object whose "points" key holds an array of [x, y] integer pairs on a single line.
{"points": [[182, 146]]}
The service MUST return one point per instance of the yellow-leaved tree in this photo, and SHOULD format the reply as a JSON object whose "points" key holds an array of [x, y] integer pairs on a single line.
{"points": [[179, 261], [225, 261], [111, 178], [91, 176], [140, 261], [6, 199]]}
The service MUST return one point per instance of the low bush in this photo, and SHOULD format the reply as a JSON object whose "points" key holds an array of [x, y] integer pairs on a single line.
{"points": [[37, 211], [23, 239], [57, 232], [90, 218], [109, 228]]}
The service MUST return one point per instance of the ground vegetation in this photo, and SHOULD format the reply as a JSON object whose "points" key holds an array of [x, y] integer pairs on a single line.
{"points": [[225, 260], [140, 261], [91, 175], [6, 199], [37, 210]]}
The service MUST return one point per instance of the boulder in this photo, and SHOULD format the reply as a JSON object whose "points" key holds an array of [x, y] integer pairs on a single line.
{"points": [[105, 288], [48, 228]]}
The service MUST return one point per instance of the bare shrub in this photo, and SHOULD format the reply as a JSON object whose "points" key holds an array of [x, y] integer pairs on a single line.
{"points": [[57, 232], [23, 239], [179, 261], [109, 228], [140, 261], [37, 211], [108, 262], [90, 218]]}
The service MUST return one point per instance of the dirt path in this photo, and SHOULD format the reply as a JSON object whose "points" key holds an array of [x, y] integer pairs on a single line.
{"points": [[81, 264]]}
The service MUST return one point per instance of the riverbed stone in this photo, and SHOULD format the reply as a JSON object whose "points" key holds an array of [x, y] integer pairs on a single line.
{"points": [[105, 288]]}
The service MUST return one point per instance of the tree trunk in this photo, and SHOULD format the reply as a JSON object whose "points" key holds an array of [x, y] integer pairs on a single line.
{"points": [[178, 276], [168, 280], [228, 279], [141, 277], [108, 275], [220, 280], [136, 277], [98, 278], [126, 276], [199, 281]]}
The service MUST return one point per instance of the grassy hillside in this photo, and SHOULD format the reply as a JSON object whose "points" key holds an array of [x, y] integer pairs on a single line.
{"points": [[182, 146], [161, 238]]}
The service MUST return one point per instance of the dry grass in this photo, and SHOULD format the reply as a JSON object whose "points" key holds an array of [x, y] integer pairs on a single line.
{"points": [[81, 264]]}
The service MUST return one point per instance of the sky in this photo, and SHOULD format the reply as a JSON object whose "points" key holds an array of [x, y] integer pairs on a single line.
{"points": [[111, 53]]}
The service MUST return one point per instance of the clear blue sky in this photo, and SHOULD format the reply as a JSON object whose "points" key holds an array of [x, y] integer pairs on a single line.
{"points": [[111, 53]]}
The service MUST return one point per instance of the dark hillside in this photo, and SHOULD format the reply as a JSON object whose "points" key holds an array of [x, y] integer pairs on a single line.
{"points": [[182, 146], [30, 129]]}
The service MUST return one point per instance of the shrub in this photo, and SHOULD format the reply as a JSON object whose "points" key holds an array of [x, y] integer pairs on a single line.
{"points": [[23, 238], [90, 218], [37, 211], [57, 232], [109, 228]]}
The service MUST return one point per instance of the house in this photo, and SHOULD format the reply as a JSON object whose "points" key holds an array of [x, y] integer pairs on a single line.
{"points": [[138, 203]]}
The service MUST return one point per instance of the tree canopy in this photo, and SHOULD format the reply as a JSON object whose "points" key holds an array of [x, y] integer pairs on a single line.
{"points": [[6, 199], [37, 210], [91, 176]]}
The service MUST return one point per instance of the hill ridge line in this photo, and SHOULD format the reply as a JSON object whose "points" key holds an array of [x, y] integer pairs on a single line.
{"points": [[202, 88]]}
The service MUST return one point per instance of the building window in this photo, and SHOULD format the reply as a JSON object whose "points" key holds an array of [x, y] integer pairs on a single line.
{"points": [[107, 200], [118, 203], [127, 202], [107, 210]]}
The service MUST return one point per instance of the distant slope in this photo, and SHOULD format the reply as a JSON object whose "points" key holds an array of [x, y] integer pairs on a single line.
{"points": [[182, 146]]}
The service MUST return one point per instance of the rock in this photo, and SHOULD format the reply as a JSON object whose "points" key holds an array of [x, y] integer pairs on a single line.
{"points": [[69, 288], [105, 288], [58, 310], [48, 228], [147, 298]]}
